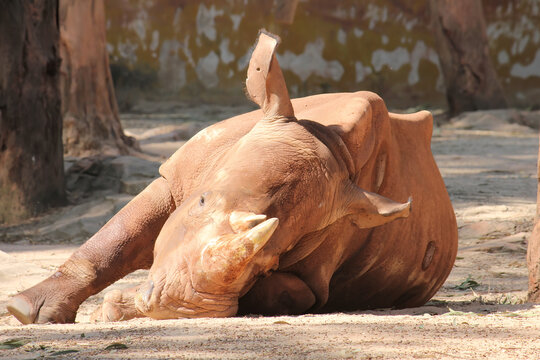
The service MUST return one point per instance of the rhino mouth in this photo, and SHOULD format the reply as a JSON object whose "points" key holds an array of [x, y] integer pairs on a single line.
{"points": [[160, 300], [195, 305]]}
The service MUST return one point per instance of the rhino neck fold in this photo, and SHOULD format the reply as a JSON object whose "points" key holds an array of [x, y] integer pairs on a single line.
{"points": [[333, 142], [277, 119]]}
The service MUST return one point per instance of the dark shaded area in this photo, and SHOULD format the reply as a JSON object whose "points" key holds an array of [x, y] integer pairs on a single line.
{"points": [[132, 82]]}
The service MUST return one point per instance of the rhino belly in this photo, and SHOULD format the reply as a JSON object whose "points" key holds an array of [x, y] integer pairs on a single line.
{"points": [[391, 269]]}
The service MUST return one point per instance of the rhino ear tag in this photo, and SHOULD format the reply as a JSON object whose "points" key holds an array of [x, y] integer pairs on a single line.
{"points": [[265, 84], [371, 209]]}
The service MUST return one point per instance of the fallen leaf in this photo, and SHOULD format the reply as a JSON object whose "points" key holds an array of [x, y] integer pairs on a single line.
{"points": [[116, 346], [64, 352], [468, 283], [13, 343]]}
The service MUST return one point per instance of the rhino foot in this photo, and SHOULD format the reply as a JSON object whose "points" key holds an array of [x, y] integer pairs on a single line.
{"points": [[42, 304], [117, 306]]}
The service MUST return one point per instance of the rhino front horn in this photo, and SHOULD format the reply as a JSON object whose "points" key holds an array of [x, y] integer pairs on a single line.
{"points": [[224, 258]]}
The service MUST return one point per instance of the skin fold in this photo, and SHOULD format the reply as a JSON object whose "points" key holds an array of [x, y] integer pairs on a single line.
{"points": [[301, 206]]}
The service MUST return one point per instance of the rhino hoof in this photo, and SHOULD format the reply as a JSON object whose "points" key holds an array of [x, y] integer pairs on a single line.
{"points": [[41, 305], [22, 309]]}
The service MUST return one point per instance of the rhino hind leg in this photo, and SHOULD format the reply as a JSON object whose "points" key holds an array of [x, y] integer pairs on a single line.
{"points": [[117, 305], [278, 294], [121, 246]]}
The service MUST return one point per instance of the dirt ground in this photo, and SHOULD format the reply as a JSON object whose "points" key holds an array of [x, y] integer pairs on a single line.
{"points": [[490, 172]]}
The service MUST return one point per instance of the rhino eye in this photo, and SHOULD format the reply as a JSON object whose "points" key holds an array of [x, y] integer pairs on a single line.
{"points": [[201, 201]]}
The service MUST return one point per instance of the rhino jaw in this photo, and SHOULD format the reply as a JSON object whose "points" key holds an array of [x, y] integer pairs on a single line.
{"points": [[226, 256]]}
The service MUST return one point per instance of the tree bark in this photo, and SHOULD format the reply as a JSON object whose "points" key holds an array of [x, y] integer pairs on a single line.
{"points": [[31, 163], [460, 34], [533, 249], [89, 108]]}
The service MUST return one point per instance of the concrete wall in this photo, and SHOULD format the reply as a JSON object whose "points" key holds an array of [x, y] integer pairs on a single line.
{"points": [[198, 50]]}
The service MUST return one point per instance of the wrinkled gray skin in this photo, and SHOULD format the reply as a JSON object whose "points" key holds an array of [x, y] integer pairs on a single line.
{"points": [[298, 207]]}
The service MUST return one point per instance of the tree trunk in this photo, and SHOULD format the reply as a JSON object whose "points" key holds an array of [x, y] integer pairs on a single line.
{"points": [[31, 163], [89, 109], [460, 34], [533, 249]]}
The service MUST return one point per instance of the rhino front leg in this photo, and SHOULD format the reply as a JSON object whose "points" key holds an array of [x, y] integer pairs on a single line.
{"points": [[121, 246]]}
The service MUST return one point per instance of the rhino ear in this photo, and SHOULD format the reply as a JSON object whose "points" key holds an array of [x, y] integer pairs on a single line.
{"points": [[371, 209], [265, 84]]}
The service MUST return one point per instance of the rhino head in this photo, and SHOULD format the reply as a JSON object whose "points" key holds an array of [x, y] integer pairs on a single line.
{"points": [[277, 183]]}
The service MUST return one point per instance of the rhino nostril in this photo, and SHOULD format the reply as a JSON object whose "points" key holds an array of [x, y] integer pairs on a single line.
{"points": [[148, 292]]}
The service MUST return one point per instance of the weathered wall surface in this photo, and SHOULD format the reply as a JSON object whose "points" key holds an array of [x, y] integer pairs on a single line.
{"points": [[198, 50], [513, 29]]}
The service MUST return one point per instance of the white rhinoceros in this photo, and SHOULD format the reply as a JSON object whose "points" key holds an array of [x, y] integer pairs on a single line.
{"points": [[299, 207]]}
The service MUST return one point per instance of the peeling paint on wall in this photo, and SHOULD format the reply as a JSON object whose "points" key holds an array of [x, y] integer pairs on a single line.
{"points": [[225, 54], [207, 70], [236, 21], [155, 41], [311, 62], [394, 59], [383, 46], [529, 70], [419, 53], [206, 21], [172, 69], [361, 71]]}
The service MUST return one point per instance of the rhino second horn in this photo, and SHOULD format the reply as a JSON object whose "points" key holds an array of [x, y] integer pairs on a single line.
{"points": [[243, 220]]}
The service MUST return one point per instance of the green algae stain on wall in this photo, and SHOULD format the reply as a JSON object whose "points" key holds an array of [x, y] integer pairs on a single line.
{"points": [[199, 50], [514, 33]]}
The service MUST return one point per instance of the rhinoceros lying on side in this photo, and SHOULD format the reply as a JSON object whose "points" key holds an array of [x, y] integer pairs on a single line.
{"points": [[298, 207]]}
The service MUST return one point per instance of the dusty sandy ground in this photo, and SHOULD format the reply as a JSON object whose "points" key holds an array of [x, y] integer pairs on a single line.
{"points": [[489, 169]]}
